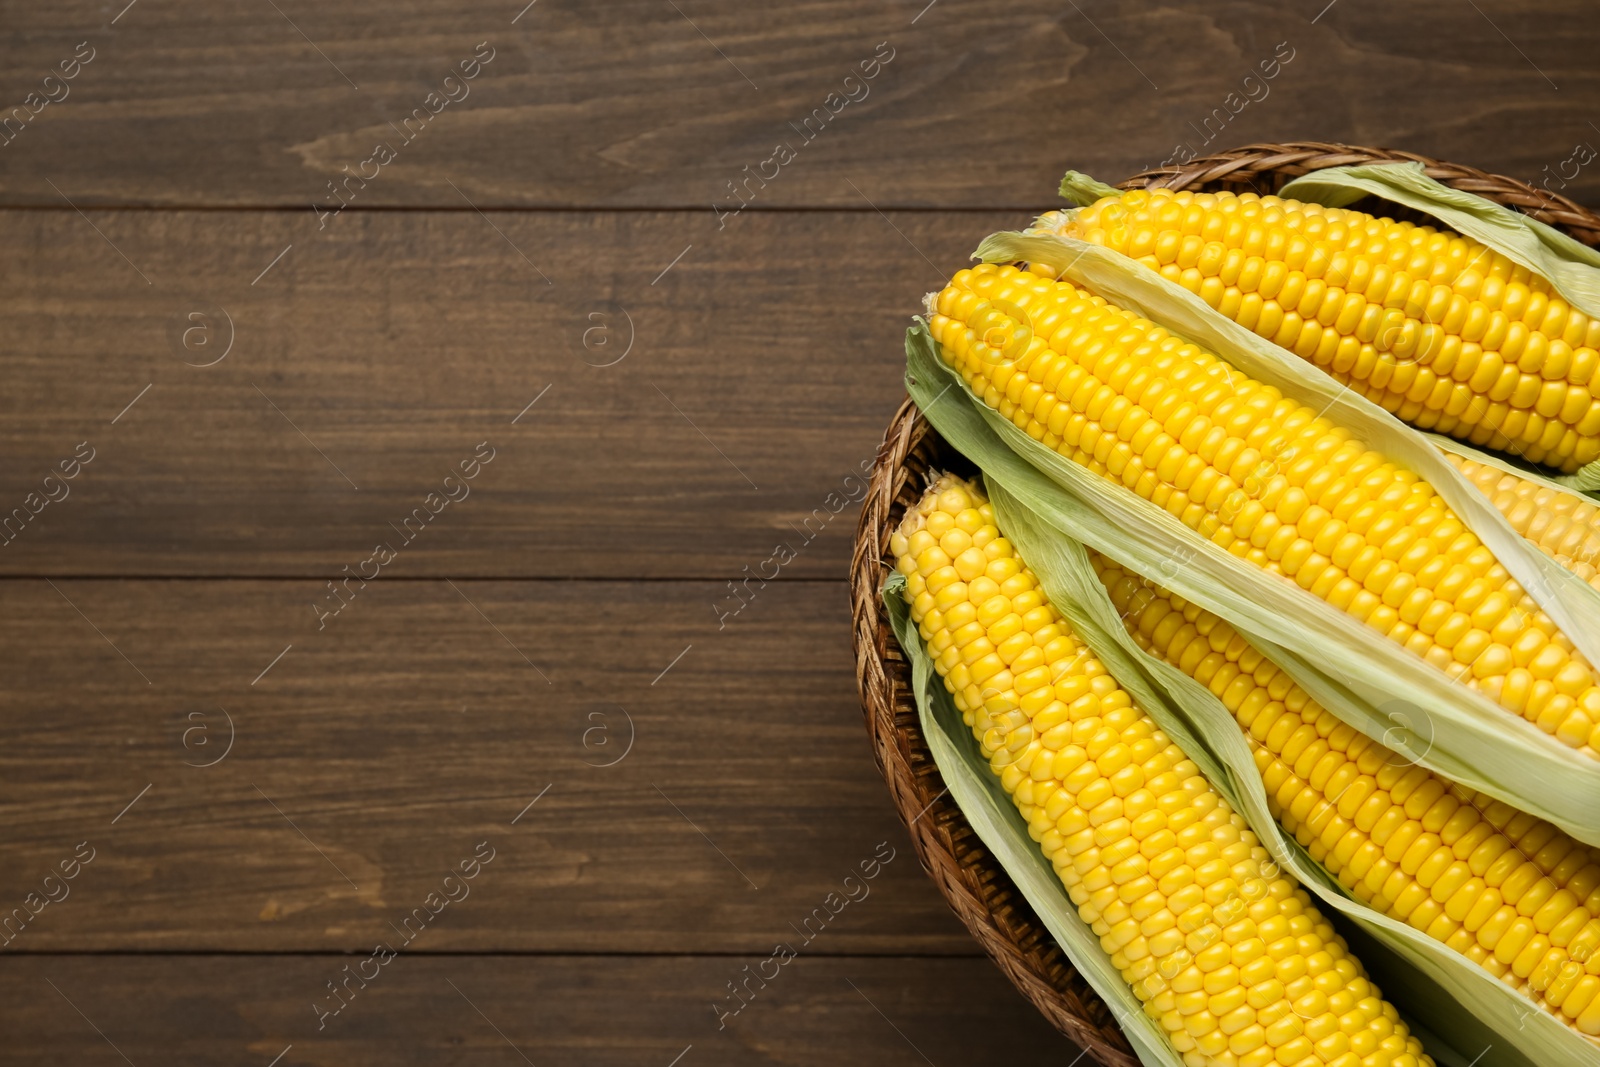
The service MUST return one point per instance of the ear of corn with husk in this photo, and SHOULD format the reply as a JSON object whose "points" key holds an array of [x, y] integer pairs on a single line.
{"points": [[1454, 990], [1489, 334], [1225, 954], [1115, 279], [1367, 680], [1268, 480], [1513, 894], [996, 821], [1544, 251]]}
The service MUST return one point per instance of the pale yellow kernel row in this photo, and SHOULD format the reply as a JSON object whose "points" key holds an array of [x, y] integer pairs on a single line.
{"points": [[1564, 526]]}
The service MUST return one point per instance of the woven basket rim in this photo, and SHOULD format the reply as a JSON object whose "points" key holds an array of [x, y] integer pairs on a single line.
{"points": [[973, 883]]}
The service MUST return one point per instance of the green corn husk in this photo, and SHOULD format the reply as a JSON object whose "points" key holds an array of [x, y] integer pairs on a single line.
{"points": [[1366, 680], [1452, 1006], [1571, 267], [1084, 190]]}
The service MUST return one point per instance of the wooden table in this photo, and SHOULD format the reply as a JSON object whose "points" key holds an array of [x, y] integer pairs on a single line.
{"points": [[480, 503]]}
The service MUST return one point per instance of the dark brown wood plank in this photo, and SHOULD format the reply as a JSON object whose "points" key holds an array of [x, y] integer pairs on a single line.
{"points": [[598, 1012], [371, 759], [634, 103], [763, 368]]}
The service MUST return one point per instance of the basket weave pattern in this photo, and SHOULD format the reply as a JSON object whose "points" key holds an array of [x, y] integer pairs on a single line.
{"points": [[972, 881]]}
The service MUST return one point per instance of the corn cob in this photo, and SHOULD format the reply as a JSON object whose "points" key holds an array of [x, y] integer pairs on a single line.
{"points": [[1225, 953], [1265, 478], [1564, 526], [1510, 892], [1439, 329]]}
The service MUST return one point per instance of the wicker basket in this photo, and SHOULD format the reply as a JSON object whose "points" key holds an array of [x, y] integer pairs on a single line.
{"points": [[972, 881]]}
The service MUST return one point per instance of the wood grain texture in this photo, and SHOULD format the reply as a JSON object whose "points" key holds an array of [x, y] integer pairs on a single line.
{"points": [[637, 104], [378, 752], [569, 209], [763, 367], [591, 1011]]}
